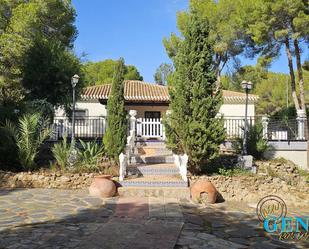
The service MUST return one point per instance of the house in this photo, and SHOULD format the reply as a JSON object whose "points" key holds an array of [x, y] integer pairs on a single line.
{"points": [[151, 102]]}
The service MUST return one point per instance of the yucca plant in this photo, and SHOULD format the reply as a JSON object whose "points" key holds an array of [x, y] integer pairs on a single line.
{"points": [[90, 154], [29, 134], [61, 152]]}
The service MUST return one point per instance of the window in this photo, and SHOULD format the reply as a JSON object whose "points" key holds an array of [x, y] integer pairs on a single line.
{"points": [[80, 117], [153, 115], [80, 114]]}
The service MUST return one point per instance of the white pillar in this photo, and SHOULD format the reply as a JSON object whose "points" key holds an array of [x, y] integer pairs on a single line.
{"points": [[183, 166], [132, 134], [265, 121], [301, 122], [132, 120], [123, 166]]}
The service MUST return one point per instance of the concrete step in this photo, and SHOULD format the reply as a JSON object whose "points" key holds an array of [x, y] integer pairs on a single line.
{"points": [[153, 150], [153, 169], [152, 159], [141, 143], [154, 181], [170, 192]]}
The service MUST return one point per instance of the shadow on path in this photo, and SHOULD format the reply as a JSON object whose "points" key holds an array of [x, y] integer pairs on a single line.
{"points": [[136, 223]]}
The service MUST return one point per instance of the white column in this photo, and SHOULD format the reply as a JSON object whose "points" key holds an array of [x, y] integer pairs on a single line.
{"points": [[301, 120], [123, 166], [132, 134], [183, 166], [265, 121], [132, 119]]}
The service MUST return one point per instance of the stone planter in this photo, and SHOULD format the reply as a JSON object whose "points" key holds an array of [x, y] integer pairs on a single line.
{"points": [[102, 187]]}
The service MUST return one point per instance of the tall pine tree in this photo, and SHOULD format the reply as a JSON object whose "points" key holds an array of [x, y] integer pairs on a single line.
{"points": [[115, 137], [193, 127]]}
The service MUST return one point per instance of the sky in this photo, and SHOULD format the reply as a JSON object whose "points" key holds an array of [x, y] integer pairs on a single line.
{"points": [[134, 30]]}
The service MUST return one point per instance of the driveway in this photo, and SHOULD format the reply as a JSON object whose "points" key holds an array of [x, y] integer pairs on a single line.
{"points": [[51, 218]]}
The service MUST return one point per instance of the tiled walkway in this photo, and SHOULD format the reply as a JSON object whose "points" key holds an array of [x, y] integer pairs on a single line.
{"points": [[44, 218]]}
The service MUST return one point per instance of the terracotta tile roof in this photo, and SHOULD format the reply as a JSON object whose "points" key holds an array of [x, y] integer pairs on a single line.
{"points": [[138, 91], [231, 95]]}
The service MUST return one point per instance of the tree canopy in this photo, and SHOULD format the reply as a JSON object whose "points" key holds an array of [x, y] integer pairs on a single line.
{"points": [[252, 28], [163, 72], [26, 28], [274, 89], [47, 71], [98, 73], [255, 74], [225, 31], [276, 24]]}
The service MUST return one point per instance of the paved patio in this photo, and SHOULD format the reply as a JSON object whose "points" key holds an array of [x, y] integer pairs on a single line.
{"points": [[49, 218]]}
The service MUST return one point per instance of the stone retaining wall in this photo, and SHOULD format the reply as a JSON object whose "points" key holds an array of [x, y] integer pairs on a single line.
{"points": [[252, 189], [278, 177], [282, 179], [45, 180]]}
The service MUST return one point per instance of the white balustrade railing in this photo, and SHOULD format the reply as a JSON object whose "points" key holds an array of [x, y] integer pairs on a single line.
{"points": [[149, 128], [234, 126]]}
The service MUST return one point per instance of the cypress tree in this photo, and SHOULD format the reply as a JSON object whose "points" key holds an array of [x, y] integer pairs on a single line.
{"points": [[193, 127], [115, 137]]}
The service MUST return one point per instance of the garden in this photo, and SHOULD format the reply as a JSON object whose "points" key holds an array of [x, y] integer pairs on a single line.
{"points": [[36, 66]]}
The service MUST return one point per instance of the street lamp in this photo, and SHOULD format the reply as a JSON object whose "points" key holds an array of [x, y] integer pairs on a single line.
{"points": [[74, 82], [247, 86], [73, 153]]}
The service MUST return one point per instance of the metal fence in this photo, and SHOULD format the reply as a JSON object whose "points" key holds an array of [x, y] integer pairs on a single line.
{"points": [[85, 127], [286, 130], [273, 129]]}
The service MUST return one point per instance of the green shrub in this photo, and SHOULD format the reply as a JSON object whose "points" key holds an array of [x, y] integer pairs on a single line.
{"points": [[89, 155], [8, 152], [256, 144], [29, 135], [234, 172], [61, 152]]}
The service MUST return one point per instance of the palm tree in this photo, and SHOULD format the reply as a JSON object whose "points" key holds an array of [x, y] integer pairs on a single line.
{"points": [[29, 134]]}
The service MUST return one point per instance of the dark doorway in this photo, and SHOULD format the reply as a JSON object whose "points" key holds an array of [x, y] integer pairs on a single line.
{"points": [[153, 115]]}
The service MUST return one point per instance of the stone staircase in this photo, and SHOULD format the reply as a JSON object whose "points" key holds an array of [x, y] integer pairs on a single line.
{"points": [[152, 173]]}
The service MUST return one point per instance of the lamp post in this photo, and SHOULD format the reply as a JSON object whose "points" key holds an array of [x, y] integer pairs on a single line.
{"points": [[247, 85], [73, 153], [74, 82]]}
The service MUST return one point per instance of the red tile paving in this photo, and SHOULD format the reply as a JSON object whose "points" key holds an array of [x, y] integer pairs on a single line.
{"points": [[132, 207]]}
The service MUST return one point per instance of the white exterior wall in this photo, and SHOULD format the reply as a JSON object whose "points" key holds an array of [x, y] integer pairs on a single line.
{"points": [[93, 109], [233, 112], [96, 109], [237, 110], [295, 151]]}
